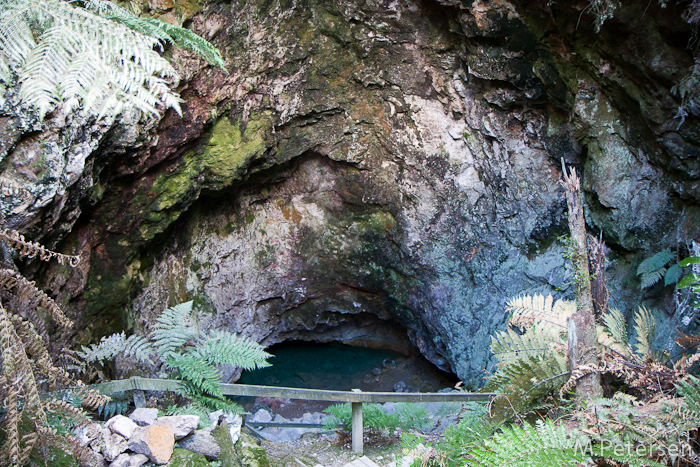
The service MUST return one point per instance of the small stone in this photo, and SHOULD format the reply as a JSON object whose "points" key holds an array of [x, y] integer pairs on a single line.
{"points": [[127, 460], [86, 434], [144, 417], [261, 416], [114, 445], [155, 441], [122, 426], [201, 442], [182, 425]]}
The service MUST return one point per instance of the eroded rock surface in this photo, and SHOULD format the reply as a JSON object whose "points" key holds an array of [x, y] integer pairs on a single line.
{"points": [[378, 162]]}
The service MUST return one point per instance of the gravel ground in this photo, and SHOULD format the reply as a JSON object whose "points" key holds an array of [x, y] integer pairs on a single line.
{"points": [[328, 451]]}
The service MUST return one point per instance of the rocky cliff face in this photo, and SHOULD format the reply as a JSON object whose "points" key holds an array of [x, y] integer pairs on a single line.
{"points": [[370, 169]]}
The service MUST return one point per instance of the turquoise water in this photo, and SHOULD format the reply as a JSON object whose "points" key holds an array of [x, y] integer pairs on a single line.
{"points": [[320, 366]]}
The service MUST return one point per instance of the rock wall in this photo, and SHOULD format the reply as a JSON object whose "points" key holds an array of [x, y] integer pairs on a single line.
{"points": [[396, 162]]}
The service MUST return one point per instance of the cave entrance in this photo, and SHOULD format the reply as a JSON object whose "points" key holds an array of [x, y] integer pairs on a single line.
{"points": [[338, 366]]}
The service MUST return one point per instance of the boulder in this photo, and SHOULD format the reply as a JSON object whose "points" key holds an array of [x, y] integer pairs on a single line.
{"points": [[143, 417], [181, 425], [201, 442], [154, 441], [122, 426]]}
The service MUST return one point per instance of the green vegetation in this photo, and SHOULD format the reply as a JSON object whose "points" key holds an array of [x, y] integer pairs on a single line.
{"points": [[90, 56], [406, 416], [186, 353]]}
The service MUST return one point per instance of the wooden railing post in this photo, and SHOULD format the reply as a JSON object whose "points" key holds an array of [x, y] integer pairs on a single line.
{"points": [[357, 428]]}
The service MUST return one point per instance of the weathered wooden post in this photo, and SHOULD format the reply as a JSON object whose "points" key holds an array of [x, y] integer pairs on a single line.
{"points": [[357, 426]]}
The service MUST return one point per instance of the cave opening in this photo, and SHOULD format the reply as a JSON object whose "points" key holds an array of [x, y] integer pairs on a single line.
{"points": [[334, 365]]}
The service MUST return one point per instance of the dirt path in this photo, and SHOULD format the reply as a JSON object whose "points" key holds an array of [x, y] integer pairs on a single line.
{"points": [[313, 450]]}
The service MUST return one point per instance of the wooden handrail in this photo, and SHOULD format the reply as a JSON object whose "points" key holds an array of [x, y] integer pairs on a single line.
{"points": [[355, 397], [155, 384]]}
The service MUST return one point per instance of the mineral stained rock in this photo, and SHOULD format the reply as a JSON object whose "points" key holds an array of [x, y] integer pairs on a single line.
{"points": [[372, 165]]}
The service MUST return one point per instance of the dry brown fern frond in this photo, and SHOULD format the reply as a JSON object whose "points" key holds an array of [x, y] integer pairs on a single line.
{"points": [[10, 279], [687, 341], [28, 249]]}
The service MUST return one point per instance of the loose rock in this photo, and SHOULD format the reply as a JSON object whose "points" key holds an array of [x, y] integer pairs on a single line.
{"points": [[143, 417], [122, 426], [181, 425], [201, 442], [155, 441]]}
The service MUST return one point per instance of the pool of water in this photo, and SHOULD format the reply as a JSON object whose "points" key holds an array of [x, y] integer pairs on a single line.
{"points": [[342, 367]]}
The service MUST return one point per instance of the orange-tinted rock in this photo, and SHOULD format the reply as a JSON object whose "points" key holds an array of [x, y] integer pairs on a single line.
{"points": [[155, 441]]}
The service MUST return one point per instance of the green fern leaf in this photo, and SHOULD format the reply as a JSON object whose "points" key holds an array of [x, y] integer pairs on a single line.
{"points": [[546, 445], [224, 348], [46, 41], [690, 390], [197, 371], [164, 32], [537, 307], [109, 347], [656, 262], [673, 275], [653, 269]]}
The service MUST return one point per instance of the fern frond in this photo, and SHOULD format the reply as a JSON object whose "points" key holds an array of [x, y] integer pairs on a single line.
{"points": [[690, 390], [193, 408], [165, 32], [656, 262], [614, 334], [644, 325], [510, 346], [546, 445], [673, 275], [109, 347], [197, 371], [207, 401], [527, 309], [11, 279], [30, 250], [174, 328], [653, 269], [42, 37], [224, 348]]}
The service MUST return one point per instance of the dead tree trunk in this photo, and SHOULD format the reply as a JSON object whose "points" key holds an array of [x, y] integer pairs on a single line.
{"points": [[584, 351]]}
